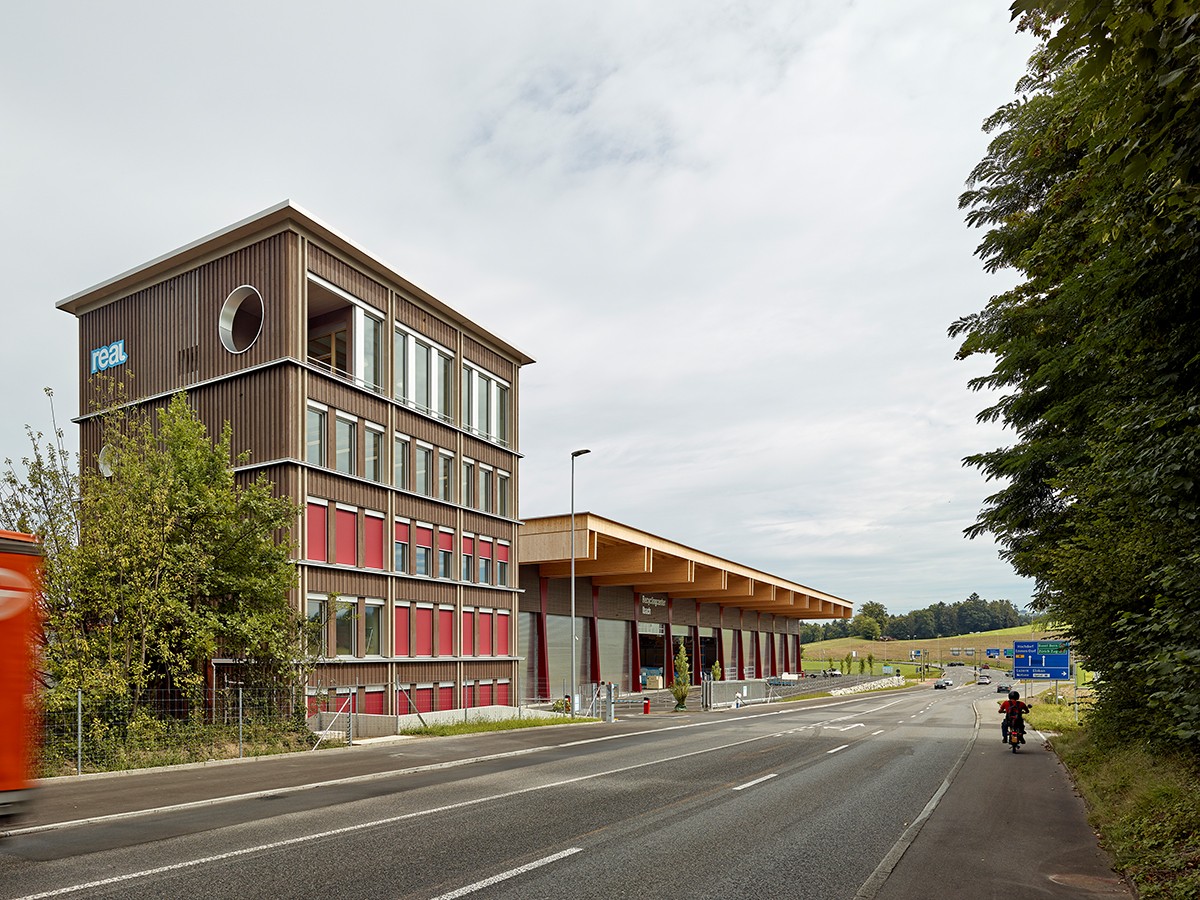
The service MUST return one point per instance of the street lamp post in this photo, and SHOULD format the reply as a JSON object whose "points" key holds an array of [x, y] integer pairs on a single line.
{"points": [[574, 454]]}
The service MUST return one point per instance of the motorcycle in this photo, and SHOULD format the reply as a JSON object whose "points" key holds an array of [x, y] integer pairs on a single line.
{"points": [[1016, 731]]}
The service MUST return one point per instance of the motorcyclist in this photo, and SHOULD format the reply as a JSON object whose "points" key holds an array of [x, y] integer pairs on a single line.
{"points": [[1013, 709]]}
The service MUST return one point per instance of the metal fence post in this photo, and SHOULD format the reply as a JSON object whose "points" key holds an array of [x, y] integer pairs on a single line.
{"points": [[78, 731], [239, 721]]}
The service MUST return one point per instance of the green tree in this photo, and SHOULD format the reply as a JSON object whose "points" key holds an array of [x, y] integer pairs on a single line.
{"points": [[864, 626], [162, 562], [1090, 191], [876, 611], [683, 682]]}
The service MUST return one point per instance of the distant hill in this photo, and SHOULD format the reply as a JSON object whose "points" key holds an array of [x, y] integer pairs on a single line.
{"points": [[822, 654]]}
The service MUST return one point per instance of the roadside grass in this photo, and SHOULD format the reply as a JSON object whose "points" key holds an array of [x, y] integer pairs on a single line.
{"points": [[1143, 803], [479, 726]]}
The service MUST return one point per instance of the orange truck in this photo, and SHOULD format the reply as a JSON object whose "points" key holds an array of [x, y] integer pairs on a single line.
{"points": [[20, 568]]}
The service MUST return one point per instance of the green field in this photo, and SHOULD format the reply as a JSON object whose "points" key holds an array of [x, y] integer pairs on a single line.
{"points": [[940, 651]]}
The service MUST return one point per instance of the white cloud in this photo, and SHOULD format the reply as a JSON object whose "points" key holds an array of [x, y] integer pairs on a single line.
{"points": [[728, 234]]}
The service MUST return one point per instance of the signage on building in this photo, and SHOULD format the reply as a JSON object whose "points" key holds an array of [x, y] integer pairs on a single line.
{"points": [[108, 356]]}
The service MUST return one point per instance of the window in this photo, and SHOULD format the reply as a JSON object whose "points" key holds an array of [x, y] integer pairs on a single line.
{"points": [[445, 554], [483, 550], [468, 483], [424, 630], [345, 444], [424, 470], [402, 636], [400, 548], [484, 404], [314, 436], [315, 611], [368, 364], [445, 631], [347, 628], [373, 452], [373, 540], [373, 619], [502, 632], [329, 349], [503, 480], [485, 488], [399, 364], [345, 537], [424, 544], [485, 632], [445, 486], [502, 563], [400, 451], [468, 557], [423, 373], [317, 531], [468, 632]]}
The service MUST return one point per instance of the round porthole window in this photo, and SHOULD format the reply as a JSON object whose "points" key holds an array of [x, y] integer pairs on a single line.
{"points": [[104, 461], [241, 319]]}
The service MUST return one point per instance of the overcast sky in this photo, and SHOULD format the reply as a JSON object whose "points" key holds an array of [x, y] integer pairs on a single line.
{"points": [[728, 234]]}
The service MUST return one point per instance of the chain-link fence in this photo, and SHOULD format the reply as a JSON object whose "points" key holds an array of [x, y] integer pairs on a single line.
{"points": [[82, 733]]}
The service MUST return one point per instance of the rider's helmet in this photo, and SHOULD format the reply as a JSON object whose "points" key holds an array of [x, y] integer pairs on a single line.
{"points": [[1013, 695]]}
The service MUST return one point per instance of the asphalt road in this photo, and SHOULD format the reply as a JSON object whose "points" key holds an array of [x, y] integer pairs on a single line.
{"points": [[804, 800]]}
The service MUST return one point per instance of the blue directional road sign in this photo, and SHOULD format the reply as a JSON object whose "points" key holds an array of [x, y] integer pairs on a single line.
{"points": [[1041, 660], [993, 652]]}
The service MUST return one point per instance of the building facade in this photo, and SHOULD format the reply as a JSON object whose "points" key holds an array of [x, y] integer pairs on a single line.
{"points": [[391, 419], [639, 596]]}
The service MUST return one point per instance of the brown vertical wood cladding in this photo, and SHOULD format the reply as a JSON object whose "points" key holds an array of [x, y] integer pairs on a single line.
{"points": [[485, 358], [616, 603], [425, 672], [710, 615], [346, 582], [255, 404], [338, 395], [419, 319], [171, 330], [683, 612], [323, 263]]}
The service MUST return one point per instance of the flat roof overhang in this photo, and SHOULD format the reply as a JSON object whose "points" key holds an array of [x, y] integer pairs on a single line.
{"points": [[613, 554], [283, 216]]}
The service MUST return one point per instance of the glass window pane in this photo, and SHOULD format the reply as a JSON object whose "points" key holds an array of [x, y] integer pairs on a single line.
{"points": [[345, 446], [373, 459], [502, 414], [399, 364], [400, 464], [347, 628], [445, 385], [374, 622], [315, 437], [425, 470], [421, 356]]}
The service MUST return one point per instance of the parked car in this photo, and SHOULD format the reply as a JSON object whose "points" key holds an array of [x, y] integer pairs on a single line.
{"points": [[1003, 688]]}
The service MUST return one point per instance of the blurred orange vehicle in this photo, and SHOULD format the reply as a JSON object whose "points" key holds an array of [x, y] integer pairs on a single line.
{"points": [[20, 568]]}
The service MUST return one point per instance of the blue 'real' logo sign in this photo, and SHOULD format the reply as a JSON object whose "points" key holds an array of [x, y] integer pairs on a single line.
{"points": [[107, 357]]}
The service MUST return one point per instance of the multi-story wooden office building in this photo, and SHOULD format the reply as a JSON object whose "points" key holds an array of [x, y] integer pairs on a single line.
{"points": [[389, 417]]}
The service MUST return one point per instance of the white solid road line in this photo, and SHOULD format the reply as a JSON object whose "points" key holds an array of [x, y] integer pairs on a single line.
{"points": [[511, 873], [742, 787]]}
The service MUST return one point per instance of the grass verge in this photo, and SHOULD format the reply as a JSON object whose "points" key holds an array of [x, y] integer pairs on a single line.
{"points": [[1142, 803], [478, 726]]}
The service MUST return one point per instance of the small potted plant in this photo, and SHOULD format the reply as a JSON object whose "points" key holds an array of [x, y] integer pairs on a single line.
{"points": [[683, 682]]}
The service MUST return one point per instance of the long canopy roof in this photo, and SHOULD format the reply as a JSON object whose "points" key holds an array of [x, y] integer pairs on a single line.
{"points": [[610, 553]]}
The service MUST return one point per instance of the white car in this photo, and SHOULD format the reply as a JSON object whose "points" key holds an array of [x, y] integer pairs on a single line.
{"points": [[985, 679]]}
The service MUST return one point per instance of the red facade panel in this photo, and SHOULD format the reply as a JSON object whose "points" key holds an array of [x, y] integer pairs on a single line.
{"points": [[485, 634], [317, 528], [468, 632], [503, 694], [424, 629], [502, 626], [445, 696], [445, 632], [373, 542], [423, 696], [402, 644], [346, 538]]}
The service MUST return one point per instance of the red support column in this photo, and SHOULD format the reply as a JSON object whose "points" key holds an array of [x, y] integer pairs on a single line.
{"points": [[635, 677], [594, 631], [543, 649], [669, 664], [695, 630]]}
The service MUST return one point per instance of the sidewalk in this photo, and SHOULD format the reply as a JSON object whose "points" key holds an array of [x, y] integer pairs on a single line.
{"points": [[1009, 824]]}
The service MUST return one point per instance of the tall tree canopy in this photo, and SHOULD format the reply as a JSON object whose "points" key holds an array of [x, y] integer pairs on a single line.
{"points": [[1090, 191], [160, 563]]}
